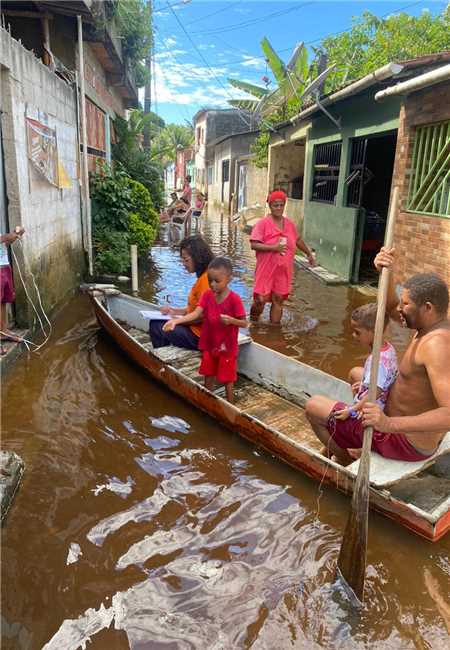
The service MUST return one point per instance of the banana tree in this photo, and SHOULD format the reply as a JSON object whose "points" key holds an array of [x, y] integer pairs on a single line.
{"points": [[292, 78]]}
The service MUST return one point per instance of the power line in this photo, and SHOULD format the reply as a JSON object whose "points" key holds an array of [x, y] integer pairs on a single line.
{"points": [[289, 49], [244, 115], [214, 13], [230, 28]]}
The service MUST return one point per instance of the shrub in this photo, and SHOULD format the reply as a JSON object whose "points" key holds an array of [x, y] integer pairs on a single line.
{"points": [[111, 198], [141, 233], [112, 251]]}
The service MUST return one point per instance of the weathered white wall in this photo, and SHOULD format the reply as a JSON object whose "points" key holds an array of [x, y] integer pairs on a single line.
{"points": [[51, 217]]}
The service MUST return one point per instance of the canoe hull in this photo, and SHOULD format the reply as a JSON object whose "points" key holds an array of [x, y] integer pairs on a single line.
{"points": [[306, 460]]}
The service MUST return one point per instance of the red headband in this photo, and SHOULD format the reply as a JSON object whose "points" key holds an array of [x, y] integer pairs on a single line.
{"points": [[276, 195]]}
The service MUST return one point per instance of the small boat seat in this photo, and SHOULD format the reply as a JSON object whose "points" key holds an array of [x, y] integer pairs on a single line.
{"points": [[385, 471], [171, 354]]}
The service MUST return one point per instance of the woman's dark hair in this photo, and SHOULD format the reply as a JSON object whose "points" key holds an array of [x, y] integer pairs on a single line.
{"points": [[184, 199], [200, 252], [221, 263]]}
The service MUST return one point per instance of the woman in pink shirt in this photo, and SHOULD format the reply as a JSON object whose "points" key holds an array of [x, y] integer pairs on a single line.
{"points": [[275, 239]]}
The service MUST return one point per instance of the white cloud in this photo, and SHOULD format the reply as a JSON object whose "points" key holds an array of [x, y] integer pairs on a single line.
{"points": [[188, 84], [251, 61]]}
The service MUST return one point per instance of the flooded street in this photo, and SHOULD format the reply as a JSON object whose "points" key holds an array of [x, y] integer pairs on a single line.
{"points": [[136, 530]]}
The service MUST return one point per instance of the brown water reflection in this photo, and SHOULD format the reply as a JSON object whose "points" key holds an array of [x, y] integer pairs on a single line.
{"points": [[189, 536]]}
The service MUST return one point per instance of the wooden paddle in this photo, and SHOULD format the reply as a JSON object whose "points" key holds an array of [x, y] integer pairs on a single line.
{"points": [[352, 556]]}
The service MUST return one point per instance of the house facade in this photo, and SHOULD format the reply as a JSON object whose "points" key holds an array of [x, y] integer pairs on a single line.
{"points": [[350, 157], [41, 140], [184, 166], [286, 165], [422, 174], [227, 171], [210, 125]]}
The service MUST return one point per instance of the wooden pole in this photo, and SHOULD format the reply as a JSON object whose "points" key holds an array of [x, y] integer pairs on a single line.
{"points": [[148, 85], [352, 556], [85, 175], [134, 269]]}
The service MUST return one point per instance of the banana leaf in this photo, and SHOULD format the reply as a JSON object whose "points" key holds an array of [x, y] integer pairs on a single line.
{"points": [[276, 64], [256, 91], [250, 105]]}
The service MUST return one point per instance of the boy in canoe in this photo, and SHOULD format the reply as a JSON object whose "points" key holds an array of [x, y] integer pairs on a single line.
{"points": [[223, 314], [417, 413]]}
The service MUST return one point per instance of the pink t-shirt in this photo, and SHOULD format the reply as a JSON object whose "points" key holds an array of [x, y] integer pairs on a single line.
{"points": [[216, 337], [273, 270]]}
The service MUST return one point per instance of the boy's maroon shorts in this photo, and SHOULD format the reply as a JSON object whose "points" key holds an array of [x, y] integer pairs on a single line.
{"points": [[223, 367], [6, 285], [349, 434]]}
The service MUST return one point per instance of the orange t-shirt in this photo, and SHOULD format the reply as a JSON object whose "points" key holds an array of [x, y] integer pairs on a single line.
{"points": [[195, 294]]}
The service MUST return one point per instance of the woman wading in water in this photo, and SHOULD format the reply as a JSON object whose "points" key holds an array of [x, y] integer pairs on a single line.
{"points": [[275, 239]]}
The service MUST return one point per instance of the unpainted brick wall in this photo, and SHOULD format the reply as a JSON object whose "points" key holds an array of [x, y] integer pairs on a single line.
{"points": [[422, 242]]}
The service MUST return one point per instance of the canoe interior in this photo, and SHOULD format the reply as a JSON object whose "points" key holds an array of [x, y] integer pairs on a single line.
{"points": [[273, 388]]}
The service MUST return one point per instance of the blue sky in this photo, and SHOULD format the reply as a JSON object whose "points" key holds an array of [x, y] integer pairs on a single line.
{"points": [[221, 40]]}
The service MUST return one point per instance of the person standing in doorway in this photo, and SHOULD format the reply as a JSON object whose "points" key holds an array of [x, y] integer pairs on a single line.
{"points": [[275, 239], [6, 284]]}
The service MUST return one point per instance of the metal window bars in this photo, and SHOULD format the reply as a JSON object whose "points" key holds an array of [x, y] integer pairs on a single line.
{"points": [[429, 189], [327, 160]]}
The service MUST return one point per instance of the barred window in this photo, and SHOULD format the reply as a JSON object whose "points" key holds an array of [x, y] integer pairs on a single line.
{"points": [[327, 160], [429, 189]]}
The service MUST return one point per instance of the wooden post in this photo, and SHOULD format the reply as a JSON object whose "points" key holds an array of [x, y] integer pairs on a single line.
{"points": [[85, 174], [134, 269]]}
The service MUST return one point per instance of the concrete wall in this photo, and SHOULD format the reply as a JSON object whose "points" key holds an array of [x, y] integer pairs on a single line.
{"points": [[331, 228], [200, 154], [230, 149], [422, 241], [51, 217]]}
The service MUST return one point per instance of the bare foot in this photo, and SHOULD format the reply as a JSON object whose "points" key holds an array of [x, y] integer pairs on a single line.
{"points": [[354, 453]]}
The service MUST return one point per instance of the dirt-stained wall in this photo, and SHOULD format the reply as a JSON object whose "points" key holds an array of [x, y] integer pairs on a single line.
{"points": [[50, 213]]}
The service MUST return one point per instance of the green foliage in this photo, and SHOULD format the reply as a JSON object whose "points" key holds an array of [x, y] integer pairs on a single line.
{"points": [[112, 251], [141, 203], [141, 233], [137, 162], [122, 213], [261, 149], [292, 78], [372, 42], [111, 196], [135, 28], [169, 139]]}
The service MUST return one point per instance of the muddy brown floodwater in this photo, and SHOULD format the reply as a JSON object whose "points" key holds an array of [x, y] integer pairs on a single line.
{"points": [[132, 530]]}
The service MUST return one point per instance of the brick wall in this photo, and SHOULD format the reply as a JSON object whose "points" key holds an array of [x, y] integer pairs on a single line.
{"points": [[422, 242]]}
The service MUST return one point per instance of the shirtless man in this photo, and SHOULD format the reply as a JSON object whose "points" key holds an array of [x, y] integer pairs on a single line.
{"points": [[417, 412]]}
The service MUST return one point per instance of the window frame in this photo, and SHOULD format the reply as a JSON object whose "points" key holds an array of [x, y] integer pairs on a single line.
{"points": [[430, 160], [324, 150]]}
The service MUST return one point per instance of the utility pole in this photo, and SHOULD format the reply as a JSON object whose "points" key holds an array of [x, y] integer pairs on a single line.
{"points": [[148, 85]]}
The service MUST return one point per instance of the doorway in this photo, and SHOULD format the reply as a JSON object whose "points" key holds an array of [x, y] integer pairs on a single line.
{"points": [[368, 188]]}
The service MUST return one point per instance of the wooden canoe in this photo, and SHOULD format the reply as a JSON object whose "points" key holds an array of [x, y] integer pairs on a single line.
{"points": [[269, 411]]}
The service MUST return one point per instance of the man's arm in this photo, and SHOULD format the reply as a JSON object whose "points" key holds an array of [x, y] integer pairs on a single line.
{"points": [[435, 356]]}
